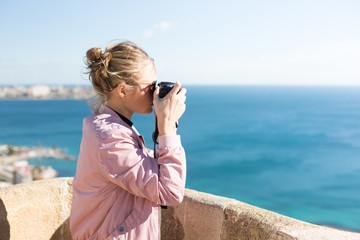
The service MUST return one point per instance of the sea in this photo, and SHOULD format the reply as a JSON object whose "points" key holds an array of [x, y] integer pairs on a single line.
{"points": [[292, 150]]}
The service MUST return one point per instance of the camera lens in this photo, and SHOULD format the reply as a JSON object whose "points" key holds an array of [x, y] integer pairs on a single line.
{"points": [[165, 88]]}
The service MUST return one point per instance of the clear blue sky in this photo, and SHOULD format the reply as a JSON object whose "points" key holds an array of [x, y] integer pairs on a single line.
{"points": [[196, 42]]}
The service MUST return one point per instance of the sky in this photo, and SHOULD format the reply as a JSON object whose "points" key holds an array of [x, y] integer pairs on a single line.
{"points": [[237, 42]]}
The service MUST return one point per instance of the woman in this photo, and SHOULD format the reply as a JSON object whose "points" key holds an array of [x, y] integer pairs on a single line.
{"points": [[119, 186]]}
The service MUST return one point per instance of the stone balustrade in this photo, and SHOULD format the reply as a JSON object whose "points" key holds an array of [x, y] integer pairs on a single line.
{"points": [[40, 210]]}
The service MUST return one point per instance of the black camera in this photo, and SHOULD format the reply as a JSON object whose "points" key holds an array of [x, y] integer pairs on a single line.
{"points": [[165, 88]]}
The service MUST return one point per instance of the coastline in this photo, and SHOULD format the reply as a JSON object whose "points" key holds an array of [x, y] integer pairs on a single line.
{"points": [[14, 166], [45, 92], [27, 152]]}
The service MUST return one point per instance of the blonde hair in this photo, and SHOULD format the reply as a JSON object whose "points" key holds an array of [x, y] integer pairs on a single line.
{"points": [[120, 63]]}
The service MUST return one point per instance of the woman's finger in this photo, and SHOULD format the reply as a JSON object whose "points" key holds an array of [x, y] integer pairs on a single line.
{"points": [[182, 92], [184, 98], [156, 93], [175, 89]]}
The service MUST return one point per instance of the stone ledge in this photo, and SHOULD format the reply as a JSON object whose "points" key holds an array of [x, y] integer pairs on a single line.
{"points": [[36, 210], [40, 210], [207, 216]]}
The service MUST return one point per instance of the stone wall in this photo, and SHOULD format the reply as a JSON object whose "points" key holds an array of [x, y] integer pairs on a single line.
{"points": [[36, 210], [40, 210], [206, 216]]}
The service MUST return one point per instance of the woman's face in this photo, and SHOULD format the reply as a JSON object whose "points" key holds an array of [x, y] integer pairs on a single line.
{"points": [[141, 98]]}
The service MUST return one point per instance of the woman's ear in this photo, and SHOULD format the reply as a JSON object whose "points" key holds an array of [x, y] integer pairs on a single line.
{"points": [[121, 90]]}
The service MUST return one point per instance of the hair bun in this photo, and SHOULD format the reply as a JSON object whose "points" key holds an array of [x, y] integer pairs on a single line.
{"points": [[93, 54], [107, 56]]}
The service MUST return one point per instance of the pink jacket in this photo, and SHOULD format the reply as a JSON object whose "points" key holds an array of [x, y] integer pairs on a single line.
{"points": [[119, 187]]}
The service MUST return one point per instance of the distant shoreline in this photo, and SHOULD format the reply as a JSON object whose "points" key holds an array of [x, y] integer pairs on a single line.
{"points": [[12, 153], [43, 99], [45, 92], [86, 92]]}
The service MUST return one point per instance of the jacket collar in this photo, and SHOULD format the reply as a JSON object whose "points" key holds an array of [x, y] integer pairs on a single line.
{"points": [[106, 110]]}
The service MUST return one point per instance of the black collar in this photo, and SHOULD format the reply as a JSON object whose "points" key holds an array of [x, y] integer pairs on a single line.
{"points": [[124, 118]]}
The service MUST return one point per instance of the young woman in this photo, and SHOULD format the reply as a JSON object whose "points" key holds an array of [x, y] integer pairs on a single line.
{"points": [[119, 185]]}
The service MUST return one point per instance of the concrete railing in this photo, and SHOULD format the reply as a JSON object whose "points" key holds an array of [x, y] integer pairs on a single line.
{"points": [[40, 210]]}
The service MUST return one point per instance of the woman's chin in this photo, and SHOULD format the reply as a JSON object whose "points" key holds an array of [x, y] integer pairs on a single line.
{"points": [[148, 111]]}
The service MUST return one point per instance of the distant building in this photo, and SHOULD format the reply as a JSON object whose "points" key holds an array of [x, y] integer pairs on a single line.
{"points": [[39, 91], [22, 172]]}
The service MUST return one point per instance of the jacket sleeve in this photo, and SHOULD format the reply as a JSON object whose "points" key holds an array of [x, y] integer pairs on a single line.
{"points": [[160, 180]]}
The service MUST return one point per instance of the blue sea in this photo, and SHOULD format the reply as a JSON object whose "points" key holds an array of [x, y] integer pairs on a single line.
{"points": [[291, 150]]}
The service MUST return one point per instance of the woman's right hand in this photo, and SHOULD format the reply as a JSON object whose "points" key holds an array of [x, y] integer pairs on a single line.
{"points": [[169, 109]]}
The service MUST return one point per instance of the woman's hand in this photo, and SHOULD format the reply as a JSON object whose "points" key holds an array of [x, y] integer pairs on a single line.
{"points": [[169, 109]]}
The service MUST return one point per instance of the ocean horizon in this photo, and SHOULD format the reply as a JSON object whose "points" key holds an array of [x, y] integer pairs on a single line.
{"points": [[294, 150]]}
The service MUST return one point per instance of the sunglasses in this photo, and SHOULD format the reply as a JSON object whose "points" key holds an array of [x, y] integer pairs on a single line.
{"points": [[151, 85]]}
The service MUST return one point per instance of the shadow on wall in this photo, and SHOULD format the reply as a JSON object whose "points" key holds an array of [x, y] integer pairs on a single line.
{"points": [[171, 224], [4, 224], [63, 232]]}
